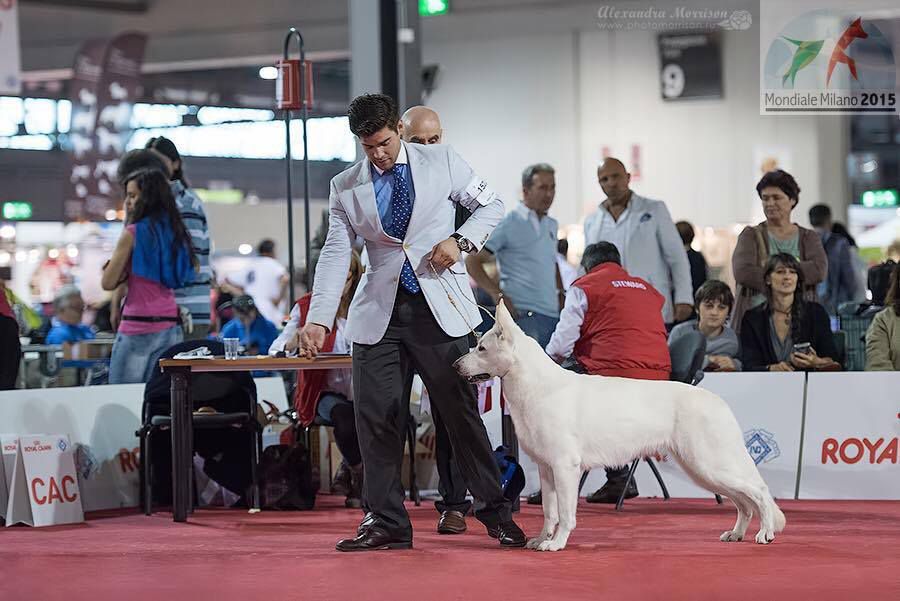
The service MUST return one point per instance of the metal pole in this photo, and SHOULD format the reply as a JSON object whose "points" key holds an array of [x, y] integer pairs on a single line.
{"points": [[288, 159], [304, 114]]}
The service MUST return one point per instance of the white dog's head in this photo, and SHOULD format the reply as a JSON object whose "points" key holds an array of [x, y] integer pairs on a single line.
{"points": [[495, 353]]}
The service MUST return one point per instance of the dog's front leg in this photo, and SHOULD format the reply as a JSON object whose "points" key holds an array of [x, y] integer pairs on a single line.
{"points": [[566, 477], [549, 505]]}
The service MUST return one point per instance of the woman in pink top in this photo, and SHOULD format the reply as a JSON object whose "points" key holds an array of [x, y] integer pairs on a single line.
{"points": [[153, 257]]}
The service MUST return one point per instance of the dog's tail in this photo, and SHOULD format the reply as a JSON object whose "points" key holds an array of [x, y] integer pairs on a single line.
{"points": [[776, 511]]}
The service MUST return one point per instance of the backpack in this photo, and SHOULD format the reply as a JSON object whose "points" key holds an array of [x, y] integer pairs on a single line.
{"points": [[880, 281], [512, 476], [285, 478]]}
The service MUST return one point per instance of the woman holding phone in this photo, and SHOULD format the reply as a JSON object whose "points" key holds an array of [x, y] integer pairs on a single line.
{"points": [[786, 333]]}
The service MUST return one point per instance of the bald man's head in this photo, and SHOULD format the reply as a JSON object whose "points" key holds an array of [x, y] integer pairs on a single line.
{"points": [[614, 179], [421, 125]]}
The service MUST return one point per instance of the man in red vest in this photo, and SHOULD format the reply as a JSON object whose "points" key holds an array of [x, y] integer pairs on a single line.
{"points": [[612, 326]]}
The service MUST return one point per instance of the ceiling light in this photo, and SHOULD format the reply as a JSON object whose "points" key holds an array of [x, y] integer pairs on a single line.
{"points": [[268, 72]]}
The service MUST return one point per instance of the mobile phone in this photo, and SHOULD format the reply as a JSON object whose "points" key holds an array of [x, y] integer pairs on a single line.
{"points": [[802, 348]]}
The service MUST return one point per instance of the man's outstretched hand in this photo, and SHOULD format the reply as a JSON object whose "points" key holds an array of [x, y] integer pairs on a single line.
{"points": [[312, 339]]}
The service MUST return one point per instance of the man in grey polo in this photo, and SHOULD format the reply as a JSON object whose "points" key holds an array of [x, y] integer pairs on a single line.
{"points": [[524, 246]]}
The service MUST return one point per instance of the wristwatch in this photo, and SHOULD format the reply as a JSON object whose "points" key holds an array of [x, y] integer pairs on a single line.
{"points": [[462, 244]]}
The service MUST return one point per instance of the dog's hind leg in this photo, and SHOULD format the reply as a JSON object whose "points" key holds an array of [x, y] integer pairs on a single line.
{"points": [[708, 478], [754, 491], [744, 515], [549, 505], [565, 477]]}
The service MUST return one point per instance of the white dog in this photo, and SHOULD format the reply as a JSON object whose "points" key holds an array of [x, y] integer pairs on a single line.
{"points": [[568, 423]]}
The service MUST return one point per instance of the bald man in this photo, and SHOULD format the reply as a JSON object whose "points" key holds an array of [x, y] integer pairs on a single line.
{"points": [[421, 125], [648, 242]]}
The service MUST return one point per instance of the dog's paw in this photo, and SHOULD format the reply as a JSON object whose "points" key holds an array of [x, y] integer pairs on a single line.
{"points": [[533, 543], [730, 536], [551, 545], [764, 537]]}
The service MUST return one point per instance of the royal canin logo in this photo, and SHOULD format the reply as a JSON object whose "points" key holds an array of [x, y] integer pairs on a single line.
{"points": [[860, 450], [36, 447]]}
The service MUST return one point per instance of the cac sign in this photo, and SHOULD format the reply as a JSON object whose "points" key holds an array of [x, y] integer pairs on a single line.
{"points": [[43, 486]]}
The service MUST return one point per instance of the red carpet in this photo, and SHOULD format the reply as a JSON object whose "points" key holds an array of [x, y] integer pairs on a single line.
{"points": [[839, 550]]}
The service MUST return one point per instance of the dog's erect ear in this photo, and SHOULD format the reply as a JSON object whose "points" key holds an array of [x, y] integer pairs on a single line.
{"points": [[503, 317]]}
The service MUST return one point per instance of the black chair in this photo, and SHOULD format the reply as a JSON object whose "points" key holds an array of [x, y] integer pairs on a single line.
{"points": [[231, 394], [687, 354]]}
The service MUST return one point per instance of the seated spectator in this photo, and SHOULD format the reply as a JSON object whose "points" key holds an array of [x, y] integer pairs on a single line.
{"points": [[10, 349], [713, 303], [66, 326], [883, 336], [612, 325], [255, 332], [786, 333], [328, 394]]}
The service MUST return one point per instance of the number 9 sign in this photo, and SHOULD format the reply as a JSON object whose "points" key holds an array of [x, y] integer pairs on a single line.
{"points": [[672, 81]]}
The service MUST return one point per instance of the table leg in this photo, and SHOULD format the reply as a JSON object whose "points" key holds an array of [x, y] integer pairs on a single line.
{"points": [[181, 451]]}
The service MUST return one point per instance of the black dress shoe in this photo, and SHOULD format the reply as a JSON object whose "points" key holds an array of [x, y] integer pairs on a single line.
{"points": [[451, 522], [535, 498], [609, 492], [366, 523], [375, 538], [508, 533]]}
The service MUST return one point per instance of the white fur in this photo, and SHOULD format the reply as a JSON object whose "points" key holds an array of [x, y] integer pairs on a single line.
{"points": [[568, 423]]}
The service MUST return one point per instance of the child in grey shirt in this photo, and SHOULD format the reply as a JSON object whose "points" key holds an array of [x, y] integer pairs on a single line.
{"points": [[713, 302]]}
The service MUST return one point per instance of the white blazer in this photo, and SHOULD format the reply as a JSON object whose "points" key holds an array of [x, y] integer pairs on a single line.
{"points": [[655, 251], [441, 178]]}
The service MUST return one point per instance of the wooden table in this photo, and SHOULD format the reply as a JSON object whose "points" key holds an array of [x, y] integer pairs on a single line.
{"points": [[182, 414]]}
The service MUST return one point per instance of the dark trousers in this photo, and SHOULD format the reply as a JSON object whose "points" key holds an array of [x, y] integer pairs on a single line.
{"points": [[451, 484], [415, 341], [10, 352]]}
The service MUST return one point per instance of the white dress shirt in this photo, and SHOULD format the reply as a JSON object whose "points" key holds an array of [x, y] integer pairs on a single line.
{"points": [[568, 330], [611, 230]]}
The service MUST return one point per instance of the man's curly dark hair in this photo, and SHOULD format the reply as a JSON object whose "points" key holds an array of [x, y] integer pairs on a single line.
{"points": [[370, 113]]}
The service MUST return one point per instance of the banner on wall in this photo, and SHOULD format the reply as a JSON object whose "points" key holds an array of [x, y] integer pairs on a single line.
{"points": [[105, 83], [770, 424], [10, 62], [850, 448]]}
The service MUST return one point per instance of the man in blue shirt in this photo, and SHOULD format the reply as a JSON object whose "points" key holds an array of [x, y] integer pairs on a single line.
{"points": [[255, 332], [524, 245], [68, 310]]}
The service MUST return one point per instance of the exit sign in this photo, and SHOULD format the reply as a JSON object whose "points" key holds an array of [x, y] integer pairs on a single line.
{"points": [[430, 8], [880, 199], [15, 211]]}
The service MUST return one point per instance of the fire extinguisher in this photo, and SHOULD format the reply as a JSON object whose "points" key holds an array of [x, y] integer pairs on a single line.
{"points": [[287, 85]]}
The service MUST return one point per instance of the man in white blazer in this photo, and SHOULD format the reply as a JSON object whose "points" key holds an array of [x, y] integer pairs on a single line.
{"points": [[648, 242], [413, 310]]}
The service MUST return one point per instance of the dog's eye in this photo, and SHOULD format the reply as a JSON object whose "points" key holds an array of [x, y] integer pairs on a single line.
{"points": [[480, 348]]}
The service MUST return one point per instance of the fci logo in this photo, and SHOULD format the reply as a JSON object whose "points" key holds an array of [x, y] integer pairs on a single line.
{"points": [[761, 445]]}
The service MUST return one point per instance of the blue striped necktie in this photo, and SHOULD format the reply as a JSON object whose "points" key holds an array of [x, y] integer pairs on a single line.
{"points": [[401, 211]]}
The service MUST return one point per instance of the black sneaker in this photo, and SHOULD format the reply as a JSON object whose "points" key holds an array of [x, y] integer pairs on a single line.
{"points": [[609, 492], [535, 499]]}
